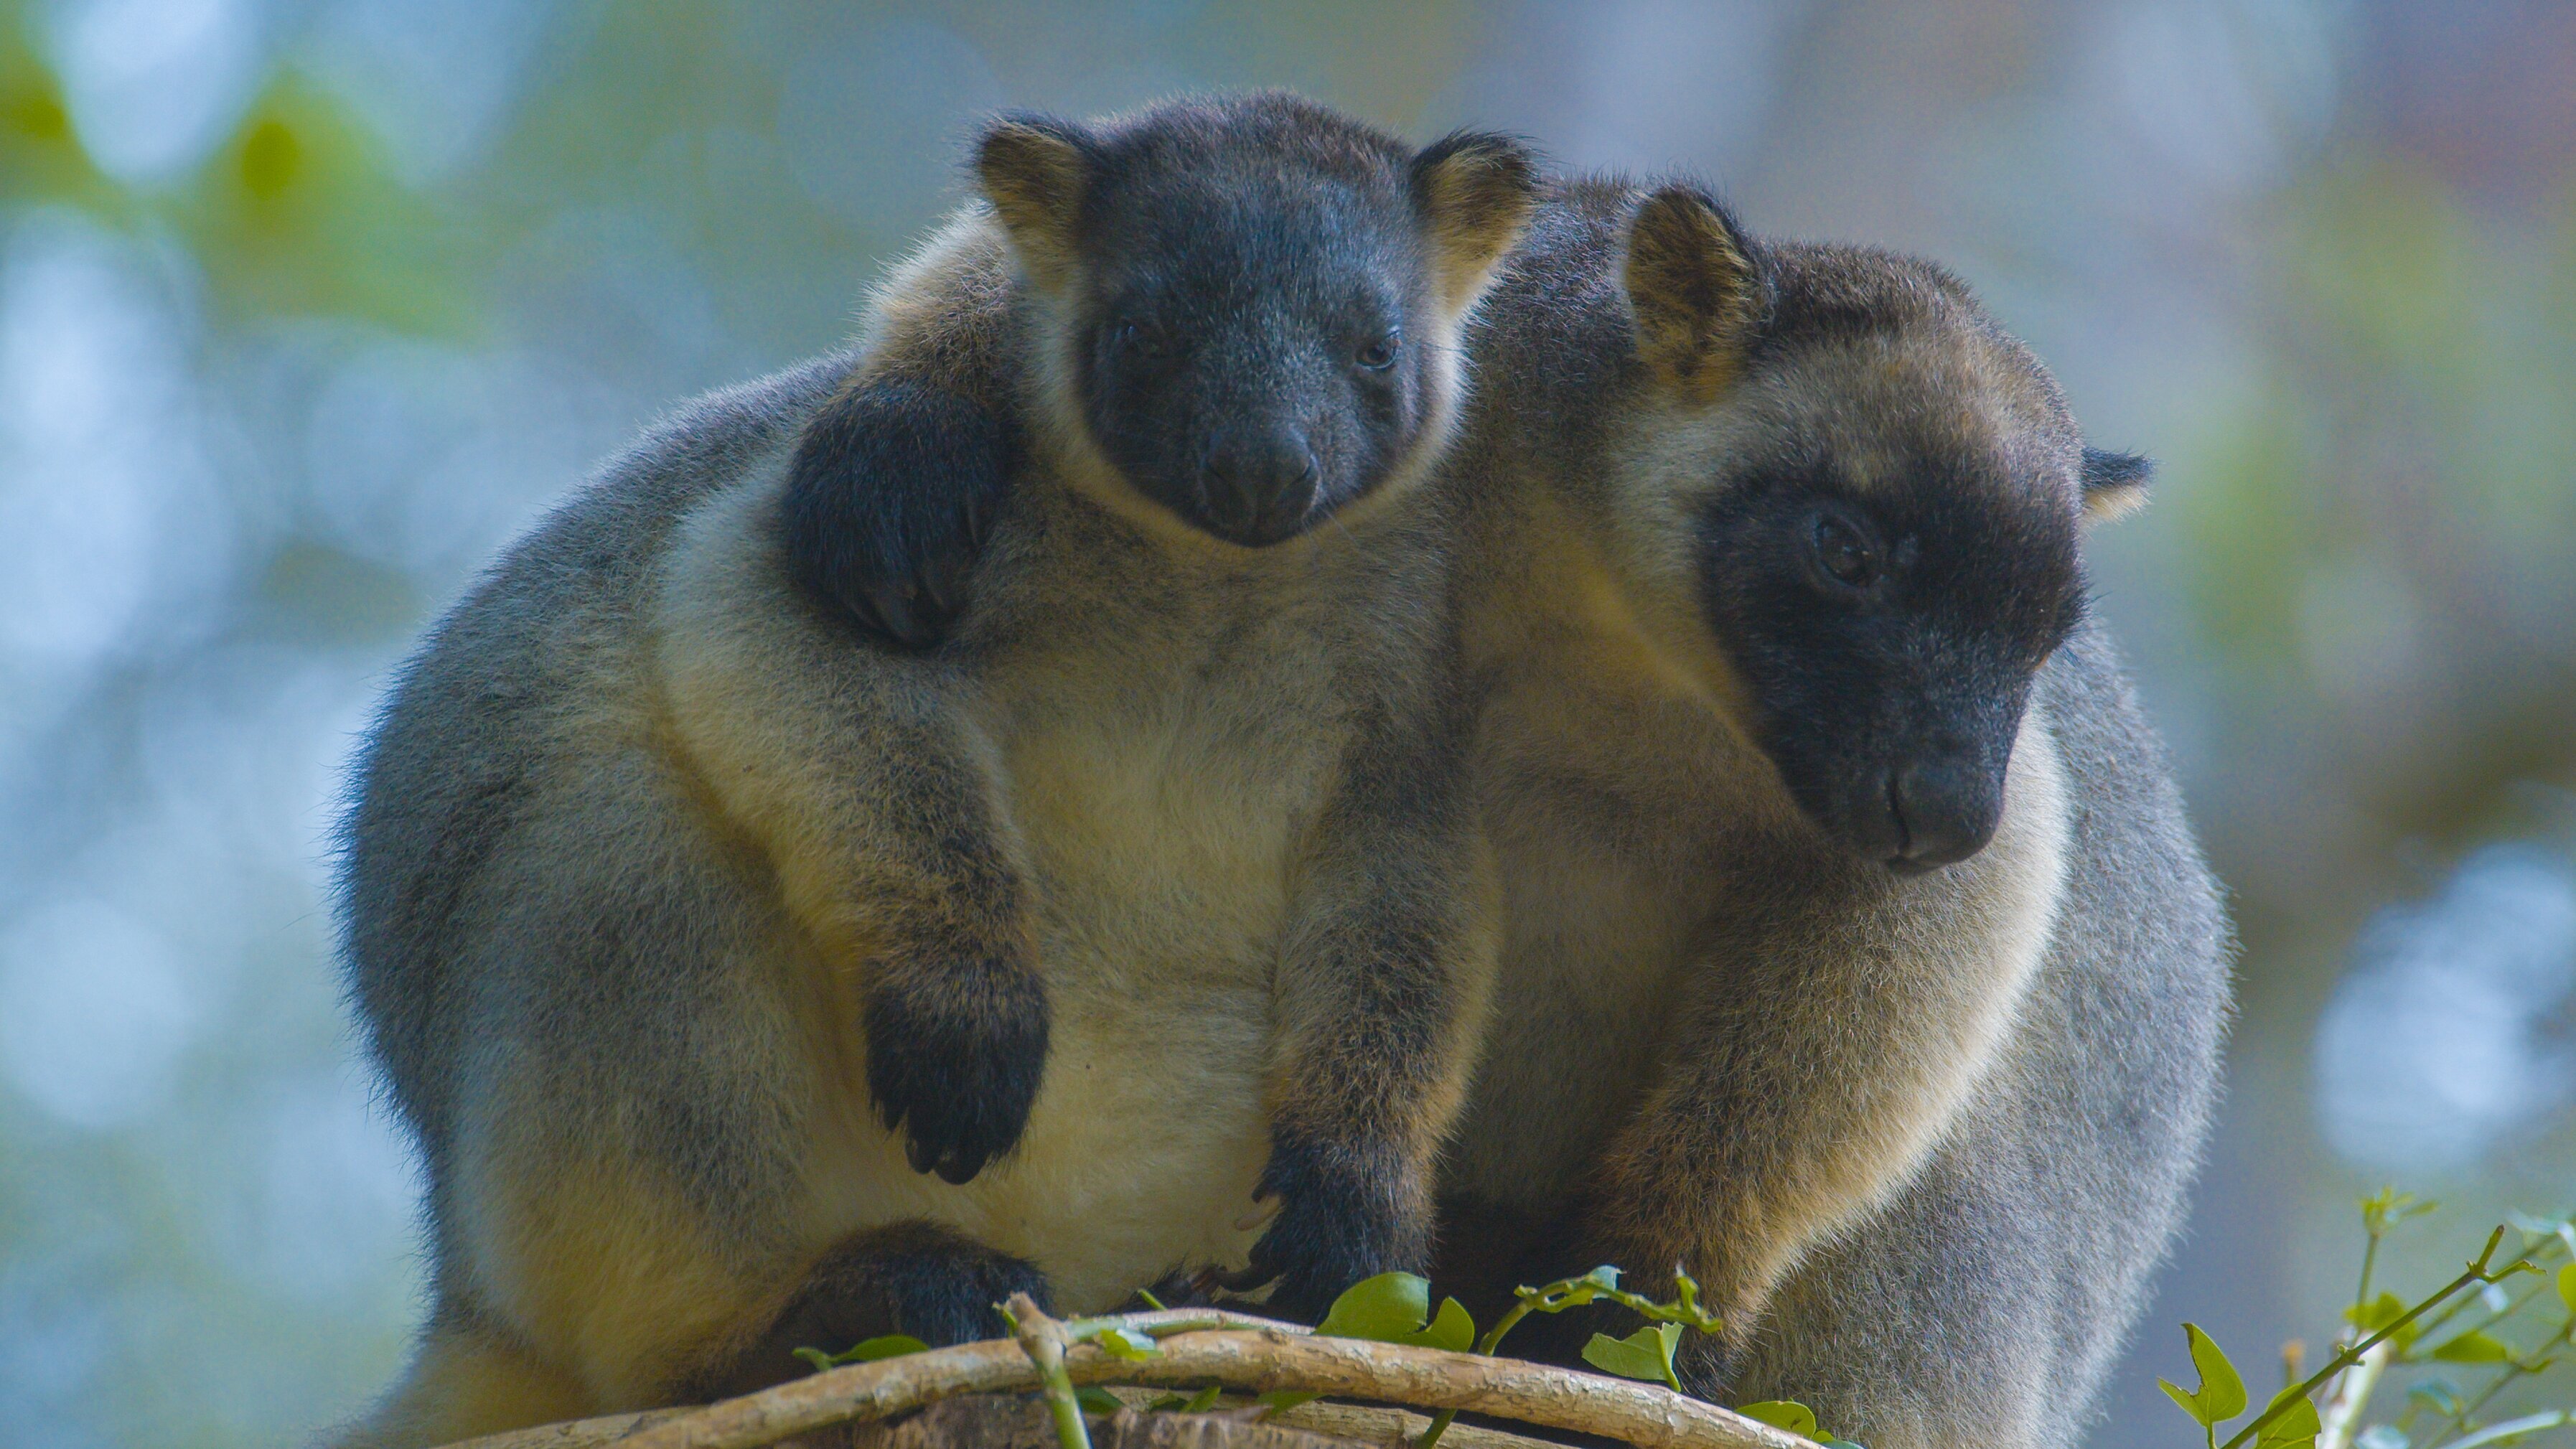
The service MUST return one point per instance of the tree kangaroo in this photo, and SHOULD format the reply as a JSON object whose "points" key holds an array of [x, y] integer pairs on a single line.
{"points": [[750, 985]]}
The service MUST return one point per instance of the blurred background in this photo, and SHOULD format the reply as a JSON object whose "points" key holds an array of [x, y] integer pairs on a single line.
{"points": [[308, 306]]}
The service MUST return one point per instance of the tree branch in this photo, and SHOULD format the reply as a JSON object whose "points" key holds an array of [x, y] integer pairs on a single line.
{"points": [[1268, 1358]]}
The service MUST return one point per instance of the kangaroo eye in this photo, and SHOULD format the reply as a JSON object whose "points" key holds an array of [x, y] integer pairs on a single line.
{"points": [[1843, 554], [1135, 338], [1379, 355]]}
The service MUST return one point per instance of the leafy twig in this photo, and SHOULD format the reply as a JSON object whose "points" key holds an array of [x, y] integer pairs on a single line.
{"points": [[1601, 1283], [2352, 1353]]}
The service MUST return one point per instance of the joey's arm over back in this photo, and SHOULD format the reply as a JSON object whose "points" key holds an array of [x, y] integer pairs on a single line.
{"points": [[898, 478]]}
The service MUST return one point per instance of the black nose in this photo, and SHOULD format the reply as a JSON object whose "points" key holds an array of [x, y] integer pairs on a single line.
{"points": [[1258, 486], [1945, 808]]}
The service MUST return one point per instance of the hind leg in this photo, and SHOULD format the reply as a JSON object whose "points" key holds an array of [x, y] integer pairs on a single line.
{"points": [[918, 1278], [466, 1380]]}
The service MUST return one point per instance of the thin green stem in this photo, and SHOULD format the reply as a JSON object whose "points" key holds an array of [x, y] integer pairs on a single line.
{"points": [[1574, 1293], [2521, 1368], [1070, 1431], [2537, 1259], [2351, 1354], [1042, 1339], [2517, 1428], [1492, 1340]]}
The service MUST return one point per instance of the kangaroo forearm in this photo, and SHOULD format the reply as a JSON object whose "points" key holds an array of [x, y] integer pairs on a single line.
{"points": [[1776, 1136], [1380, 998]]}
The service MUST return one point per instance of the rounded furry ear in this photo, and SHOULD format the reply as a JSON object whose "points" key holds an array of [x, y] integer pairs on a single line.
{"points": [[1475, 190], [2115, 484], [1034, 169], [1694, 289]]}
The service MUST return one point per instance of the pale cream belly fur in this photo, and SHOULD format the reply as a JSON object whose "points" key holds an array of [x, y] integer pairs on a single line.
{"points": [[1159, 795], [1162, 885]]}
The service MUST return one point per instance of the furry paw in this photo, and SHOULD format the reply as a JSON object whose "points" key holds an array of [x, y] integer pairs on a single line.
{"points": [[916, 1278], [954, 1059], [1344, 1215], [890, 497]]}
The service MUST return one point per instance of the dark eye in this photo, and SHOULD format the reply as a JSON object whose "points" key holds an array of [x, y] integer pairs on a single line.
{"points": [[1136, 338], [1843, 554], [1379, 354]]}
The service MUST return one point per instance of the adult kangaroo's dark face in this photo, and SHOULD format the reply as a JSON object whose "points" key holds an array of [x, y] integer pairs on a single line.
{"points": [[1889, 635]]}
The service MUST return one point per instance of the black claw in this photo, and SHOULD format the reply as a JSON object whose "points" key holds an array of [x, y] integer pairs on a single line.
{"points": [[958, 1082], [1342, 1217]]}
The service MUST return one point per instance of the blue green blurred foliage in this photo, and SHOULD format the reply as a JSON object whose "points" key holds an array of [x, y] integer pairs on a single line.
{"points": [[306, 306]]}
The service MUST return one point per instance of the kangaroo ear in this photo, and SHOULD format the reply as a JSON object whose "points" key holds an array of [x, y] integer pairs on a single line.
{"points": [[1475, 190], [1694, 288], [1034, 169], [2115, 484]]}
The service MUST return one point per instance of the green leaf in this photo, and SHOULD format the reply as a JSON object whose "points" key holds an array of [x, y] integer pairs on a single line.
{"points": [[1150, 1300], [1646, 1354], [1452, 1329], [2439, 1395], [1830, 1442], [1127, 1343], [2297, 1428], [2474, 1347], [2221, 1395], [2567, 1286], [2388, 1207], [2377, 1314], [1286, 1399], [1097, 1400], [1385, 1308], [1204, 1400], [1392, 1307], [892, 1345], [2179, 1395], [1787, 1414]]}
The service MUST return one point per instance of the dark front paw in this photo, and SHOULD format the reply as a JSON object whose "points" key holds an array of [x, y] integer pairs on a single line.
{"points": [[890, 497], [915, 1278], [1344, 1214], [954, 1060]]}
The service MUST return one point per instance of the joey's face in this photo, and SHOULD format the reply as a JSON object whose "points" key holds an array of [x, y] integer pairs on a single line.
{"points": [[1888, 631], [1255, 295], [1267, 360]]}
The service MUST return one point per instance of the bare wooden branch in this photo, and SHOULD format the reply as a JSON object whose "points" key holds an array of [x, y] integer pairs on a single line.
{"points": [[1364, 1423], [985, 1421], [574, 1433], [1267, 1359]]}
